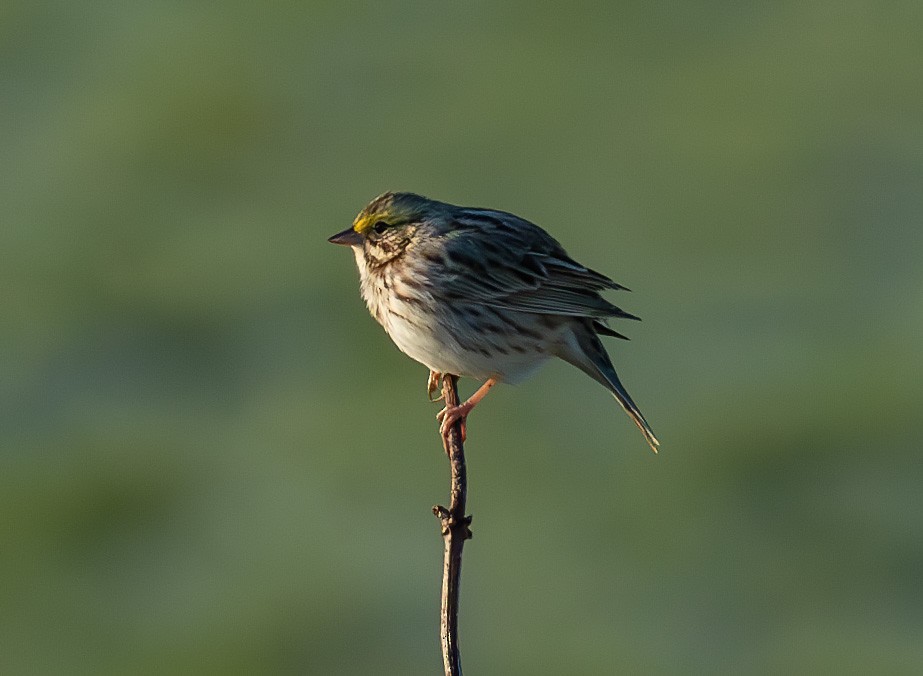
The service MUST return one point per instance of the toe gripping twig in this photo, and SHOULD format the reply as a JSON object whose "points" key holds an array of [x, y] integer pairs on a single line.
{"points": [[455, 530]]}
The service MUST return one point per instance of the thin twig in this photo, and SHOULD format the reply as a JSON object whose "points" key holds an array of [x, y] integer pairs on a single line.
{"points": [[455, 530]]}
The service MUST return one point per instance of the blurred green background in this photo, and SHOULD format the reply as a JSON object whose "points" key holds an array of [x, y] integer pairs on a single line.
{"points": [[214, 461]]}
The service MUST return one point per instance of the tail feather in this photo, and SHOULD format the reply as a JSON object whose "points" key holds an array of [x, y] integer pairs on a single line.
{"points": [[621, 394], [587, 353]]}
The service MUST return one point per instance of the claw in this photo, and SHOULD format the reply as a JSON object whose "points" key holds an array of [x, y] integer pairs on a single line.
{"points": [[432, 385], [450, 415]]}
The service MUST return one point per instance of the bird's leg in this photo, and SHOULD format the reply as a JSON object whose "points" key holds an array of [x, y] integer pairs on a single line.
{"points": [[450, 414], [433, 384]]}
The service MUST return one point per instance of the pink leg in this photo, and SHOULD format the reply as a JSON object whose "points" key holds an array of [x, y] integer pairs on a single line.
{"points": [[449, 415]]}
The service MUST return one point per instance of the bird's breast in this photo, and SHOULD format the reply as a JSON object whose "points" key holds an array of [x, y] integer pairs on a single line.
{"points": [[442, 337]]}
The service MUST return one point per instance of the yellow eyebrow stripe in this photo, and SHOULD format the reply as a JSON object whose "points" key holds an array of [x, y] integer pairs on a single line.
{"points": [[362, 223]]}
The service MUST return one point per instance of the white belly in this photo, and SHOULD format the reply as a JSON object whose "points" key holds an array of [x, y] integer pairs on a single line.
{"points": [[432, 340], [437, 349]]}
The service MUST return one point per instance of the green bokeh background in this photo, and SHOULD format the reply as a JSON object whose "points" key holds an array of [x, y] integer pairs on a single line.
{"points": [[213, 461]]}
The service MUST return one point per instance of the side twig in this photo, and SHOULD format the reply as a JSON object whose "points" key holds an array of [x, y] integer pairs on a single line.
{"points": [[455, 530]]}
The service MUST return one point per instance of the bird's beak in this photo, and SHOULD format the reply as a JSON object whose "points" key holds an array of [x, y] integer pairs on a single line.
{"points": [[348, 237]]}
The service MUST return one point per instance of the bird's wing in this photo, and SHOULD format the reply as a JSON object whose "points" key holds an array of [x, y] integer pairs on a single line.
{"points": [[509, 263]]}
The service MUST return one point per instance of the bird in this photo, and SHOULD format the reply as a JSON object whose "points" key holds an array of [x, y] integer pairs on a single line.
{"points": [[482, 293]]}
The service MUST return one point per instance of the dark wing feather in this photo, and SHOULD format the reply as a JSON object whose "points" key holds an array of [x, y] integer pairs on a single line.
{"points": [[513, 264], [604, 330]]}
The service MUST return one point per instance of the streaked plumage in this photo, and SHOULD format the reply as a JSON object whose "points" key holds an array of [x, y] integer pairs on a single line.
{"points": [[482, 293]]}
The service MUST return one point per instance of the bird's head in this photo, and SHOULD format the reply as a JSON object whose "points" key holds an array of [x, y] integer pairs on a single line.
{"points": [[387, 225]]}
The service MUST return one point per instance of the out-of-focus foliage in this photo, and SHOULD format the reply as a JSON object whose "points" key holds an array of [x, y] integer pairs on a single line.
{"points": [[213, 461]]}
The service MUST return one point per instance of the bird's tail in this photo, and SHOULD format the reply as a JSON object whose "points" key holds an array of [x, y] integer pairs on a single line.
{"points": [[592, 359], [621, 394]]}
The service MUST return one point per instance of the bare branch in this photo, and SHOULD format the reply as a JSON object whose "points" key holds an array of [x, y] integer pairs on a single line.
{"points": [[455, 530]]}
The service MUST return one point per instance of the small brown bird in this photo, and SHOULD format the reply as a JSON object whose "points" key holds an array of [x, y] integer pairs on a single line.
{"points": [[481, 293]]}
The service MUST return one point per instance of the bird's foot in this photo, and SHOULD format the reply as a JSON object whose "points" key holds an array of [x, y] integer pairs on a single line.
{"points": [[452, 414], [432, 385]]}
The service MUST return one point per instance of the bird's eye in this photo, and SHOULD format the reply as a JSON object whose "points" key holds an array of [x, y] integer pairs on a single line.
{"points": [[380, 227]]}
